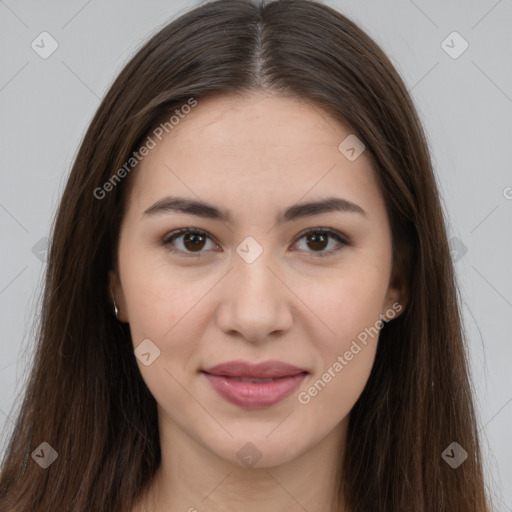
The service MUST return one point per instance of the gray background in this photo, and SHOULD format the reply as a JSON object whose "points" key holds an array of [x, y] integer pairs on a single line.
{"points": [[465, 104]]}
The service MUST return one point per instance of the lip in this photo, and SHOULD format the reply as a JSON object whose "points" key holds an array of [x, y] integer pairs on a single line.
{"points": [[232, 382]]}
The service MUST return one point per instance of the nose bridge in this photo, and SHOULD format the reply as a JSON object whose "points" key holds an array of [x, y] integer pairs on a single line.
{"points": [[255, 303], [254, 282]]}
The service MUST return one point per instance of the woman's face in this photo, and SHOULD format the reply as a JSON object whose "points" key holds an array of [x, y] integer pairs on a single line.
{"points": [[265, 279]]}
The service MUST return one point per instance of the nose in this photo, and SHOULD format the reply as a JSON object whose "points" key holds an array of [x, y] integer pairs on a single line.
{"points": [[256, 302]]}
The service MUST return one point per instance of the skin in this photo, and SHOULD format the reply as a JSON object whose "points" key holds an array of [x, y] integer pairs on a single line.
{"points": [[254, 156]]}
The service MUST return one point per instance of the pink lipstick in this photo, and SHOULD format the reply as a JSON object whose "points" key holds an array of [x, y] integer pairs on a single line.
{"points": [[254, 386]]}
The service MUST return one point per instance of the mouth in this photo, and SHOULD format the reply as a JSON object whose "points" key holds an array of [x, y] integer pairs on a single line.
{"points": [[254, 386]]}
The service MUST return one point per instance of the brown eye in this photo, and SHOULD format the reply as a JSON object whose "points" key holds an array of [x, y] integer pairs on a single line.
{"points": [[187, 241], [193, 241], [318, 240]]}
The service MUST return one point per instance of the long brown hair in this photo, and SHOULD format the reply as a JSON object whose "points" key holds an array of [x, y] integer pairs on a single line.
{"points": [[85, 395]]}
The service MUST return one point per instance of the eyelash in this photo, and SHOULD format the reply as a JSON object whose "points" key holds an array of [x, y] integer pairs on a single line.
{"points": [[343, 241]]}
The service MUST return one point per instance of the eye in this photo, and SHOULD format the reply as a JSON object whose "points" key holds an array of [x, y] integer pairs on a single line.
{"points": [[194, 240], [318, 239]]}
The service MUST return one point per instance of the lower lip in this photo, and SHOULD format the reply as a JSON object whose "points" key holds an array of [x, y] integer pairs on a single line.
{"points": [[254, 395]]}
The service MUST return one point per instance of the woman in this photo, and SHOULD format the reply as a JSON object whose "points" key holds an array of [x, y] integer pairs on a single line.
{"points": [[249, 300]]}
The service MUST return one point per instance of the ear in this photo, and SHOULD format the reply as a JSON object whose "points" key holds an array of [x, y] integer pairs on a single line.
{"points": [[398, 294], [116, 293]]}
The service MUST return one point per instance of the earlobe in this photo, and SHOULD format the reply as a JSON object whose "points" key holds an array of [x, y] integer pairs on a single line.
{"points": [[395, 307], [399, 290], [116, 297], [397, 298]]}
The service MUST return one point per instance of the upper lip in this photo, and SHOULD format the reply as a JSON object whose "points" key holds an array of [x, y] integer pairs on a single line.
{"points": [[264, 370]]}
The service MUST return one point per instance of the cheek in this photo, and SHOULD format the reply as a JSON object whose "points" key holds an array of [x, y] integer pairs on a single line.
{"points": [[161, 304], [346, 339], [165, 308], [347, 306], [351, 308]]}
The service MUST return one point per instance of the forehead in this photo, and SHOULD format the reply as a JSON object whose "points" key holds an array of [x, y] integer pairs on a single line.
{"points": [[260, 124], [252, 150]]}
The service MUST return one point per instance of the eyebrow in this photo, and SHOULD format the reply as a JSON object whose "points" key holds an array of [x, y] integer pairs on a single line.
{"points": [[202, 209]]}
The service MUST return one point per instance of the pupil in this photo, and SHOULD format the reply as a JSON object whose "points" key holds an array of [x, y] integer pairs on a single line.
{"points": [[192, 237], [316, 237]]}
